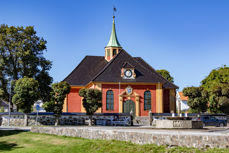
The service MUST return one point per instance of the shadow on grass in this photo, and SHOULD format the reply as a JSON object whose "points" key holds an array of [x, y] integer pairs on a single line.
{"points": [[9, 132], [6, 146]]}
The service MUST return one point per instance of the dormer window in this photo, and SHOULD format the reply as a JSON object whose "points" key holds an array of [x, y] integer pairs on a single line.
{"points": [[127, 71]]}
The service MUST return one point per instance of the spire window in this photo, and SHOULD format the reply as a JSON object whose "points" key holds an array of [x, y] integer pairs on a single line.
{"points": [[108, 52], [114, 52]]}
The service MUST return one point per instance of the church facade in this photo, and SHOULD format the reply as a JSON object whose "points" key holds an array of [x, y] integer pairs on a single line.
{"points": [[127, 83]]}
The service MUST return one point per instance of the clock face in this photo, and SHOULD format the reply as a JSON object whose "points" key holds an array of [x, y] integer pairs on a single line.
{"points": [[128, 73]]}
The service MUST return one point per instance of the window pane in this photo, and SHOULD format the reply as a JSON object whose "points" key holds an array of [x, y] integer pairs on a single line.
{"points": [[110, 100], [147, 100], [114, 52], [108, 52]]}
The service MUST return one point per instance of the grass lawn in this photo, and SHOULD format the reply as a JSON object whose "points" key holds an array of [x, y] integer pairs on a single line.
{"points": [[27, 142]]}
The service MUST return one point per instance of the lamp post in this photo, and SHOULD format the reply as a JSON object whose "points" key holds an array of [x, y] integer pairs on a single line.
{"points": [[9, 111]]}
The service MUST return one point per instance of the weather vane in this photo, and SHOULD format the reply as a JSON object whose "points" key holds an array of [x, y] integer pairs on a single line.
{"points": [[114, 10]]}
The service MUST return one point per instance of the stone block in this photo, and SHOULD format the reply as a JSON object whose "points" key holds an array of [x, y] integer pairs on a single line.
{"points": [[179, 124]]}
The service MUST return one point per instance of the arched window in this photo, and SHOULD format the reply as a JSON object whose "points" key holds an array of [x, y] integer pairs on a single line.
{"points": [[147, 100], [110, 100]]}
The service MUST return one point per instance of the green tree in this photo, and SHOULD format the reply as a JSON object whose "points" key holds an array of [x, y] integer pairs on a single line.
{"points": [[219, 99], [217, 77], [1, 109], [44, 85], [166, 75], [26, 94], [217, 84], [21, 54], [197, 99], [213, 92], [91, 101], [58, 94]]}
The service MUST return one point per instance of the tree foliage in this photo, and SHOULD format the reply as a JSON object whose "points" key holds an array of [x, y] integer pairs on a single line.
{"points": [[219, 99], [58, 94], [21, 54], [214, 92], [1, 109], [217, 84], [197, 99], [26, 94], [217, 77], [91, 100], [166, 75], [44, 89]]}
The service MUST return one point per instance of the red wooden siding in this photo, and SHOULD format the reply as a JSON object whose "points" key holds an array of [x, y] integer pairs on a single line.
{"points": [[139, 89], [74, 101]]}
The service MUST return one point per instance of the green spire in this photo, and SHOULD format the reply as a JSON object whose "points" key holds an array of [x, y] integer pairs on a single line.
{"points": [[113, 42]]}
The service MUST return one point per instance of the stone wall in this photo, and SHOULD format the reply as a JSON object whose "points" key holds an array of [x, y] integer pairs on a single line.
{"points": [[77, 119], [140, 136], [179, 124], [141, 120]]}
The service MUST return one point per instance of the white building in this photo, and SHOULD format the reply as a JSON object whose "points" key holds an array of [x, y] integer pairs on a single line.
{"points": [[181, 102]]}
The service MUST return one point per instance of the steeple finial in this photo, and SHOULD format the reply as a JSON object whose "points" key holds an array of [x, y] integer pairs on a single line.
{"points": [[114, 10]]}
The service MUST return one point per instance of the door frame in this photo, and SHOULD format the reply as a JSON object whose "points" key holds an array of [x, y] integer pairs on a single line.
{"points": [[134, 111], [134, 95]]}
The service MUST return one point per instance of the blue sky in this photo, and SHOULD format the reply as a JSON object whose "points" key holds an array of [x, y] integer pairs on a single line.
{"points": [[189, 38]]}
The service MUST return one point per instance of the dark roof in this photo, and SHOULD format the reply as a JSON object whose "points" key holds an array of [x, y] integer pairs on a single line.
{"points": [[3, 104], [127, 65], [96, 68], [166, 84], [86, 70]]}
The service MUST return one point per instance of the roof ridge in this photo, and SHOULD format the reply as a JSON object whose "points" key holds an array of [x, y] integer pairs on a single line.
{"points": [[111, 61], [76, 67], [83, 73], [93, 56], [133, 60], [158, 76], [146, 68], [157, 73], [79, 65], [127, 63]]}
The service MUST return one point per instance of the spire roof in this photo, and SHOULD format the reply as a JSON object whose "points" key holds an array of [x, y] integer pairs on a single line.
{"points": [[113, 42]]}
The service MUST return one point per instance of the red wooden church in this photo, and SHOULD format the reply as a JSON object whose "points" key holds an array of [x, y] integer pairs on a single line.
{"points": [[127, 83]]}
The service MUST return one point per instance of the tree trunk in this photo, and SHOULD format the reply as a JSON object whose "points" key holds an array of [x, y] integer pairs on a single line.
{"points": [[26, 119], [90, 120], [57, 120]]}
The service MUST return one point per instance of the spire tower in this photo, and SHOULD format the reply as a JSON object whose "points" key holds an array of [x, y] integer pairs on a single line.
{"points": [[113, 46]]}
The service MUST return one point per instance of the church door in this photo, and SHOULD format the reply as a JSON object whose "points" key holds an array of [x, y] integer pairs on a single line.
{"points": [[128, 106]]}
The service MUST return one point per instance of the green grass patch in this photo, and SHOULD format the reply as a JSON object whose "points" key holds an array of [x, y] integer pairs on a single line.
{"points": [[27, 142]]}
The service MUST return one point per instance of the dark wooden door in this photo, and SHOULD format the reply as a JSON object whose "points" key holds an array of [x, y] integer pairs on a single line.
{"points": [[128, 106], [166, 101]]}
